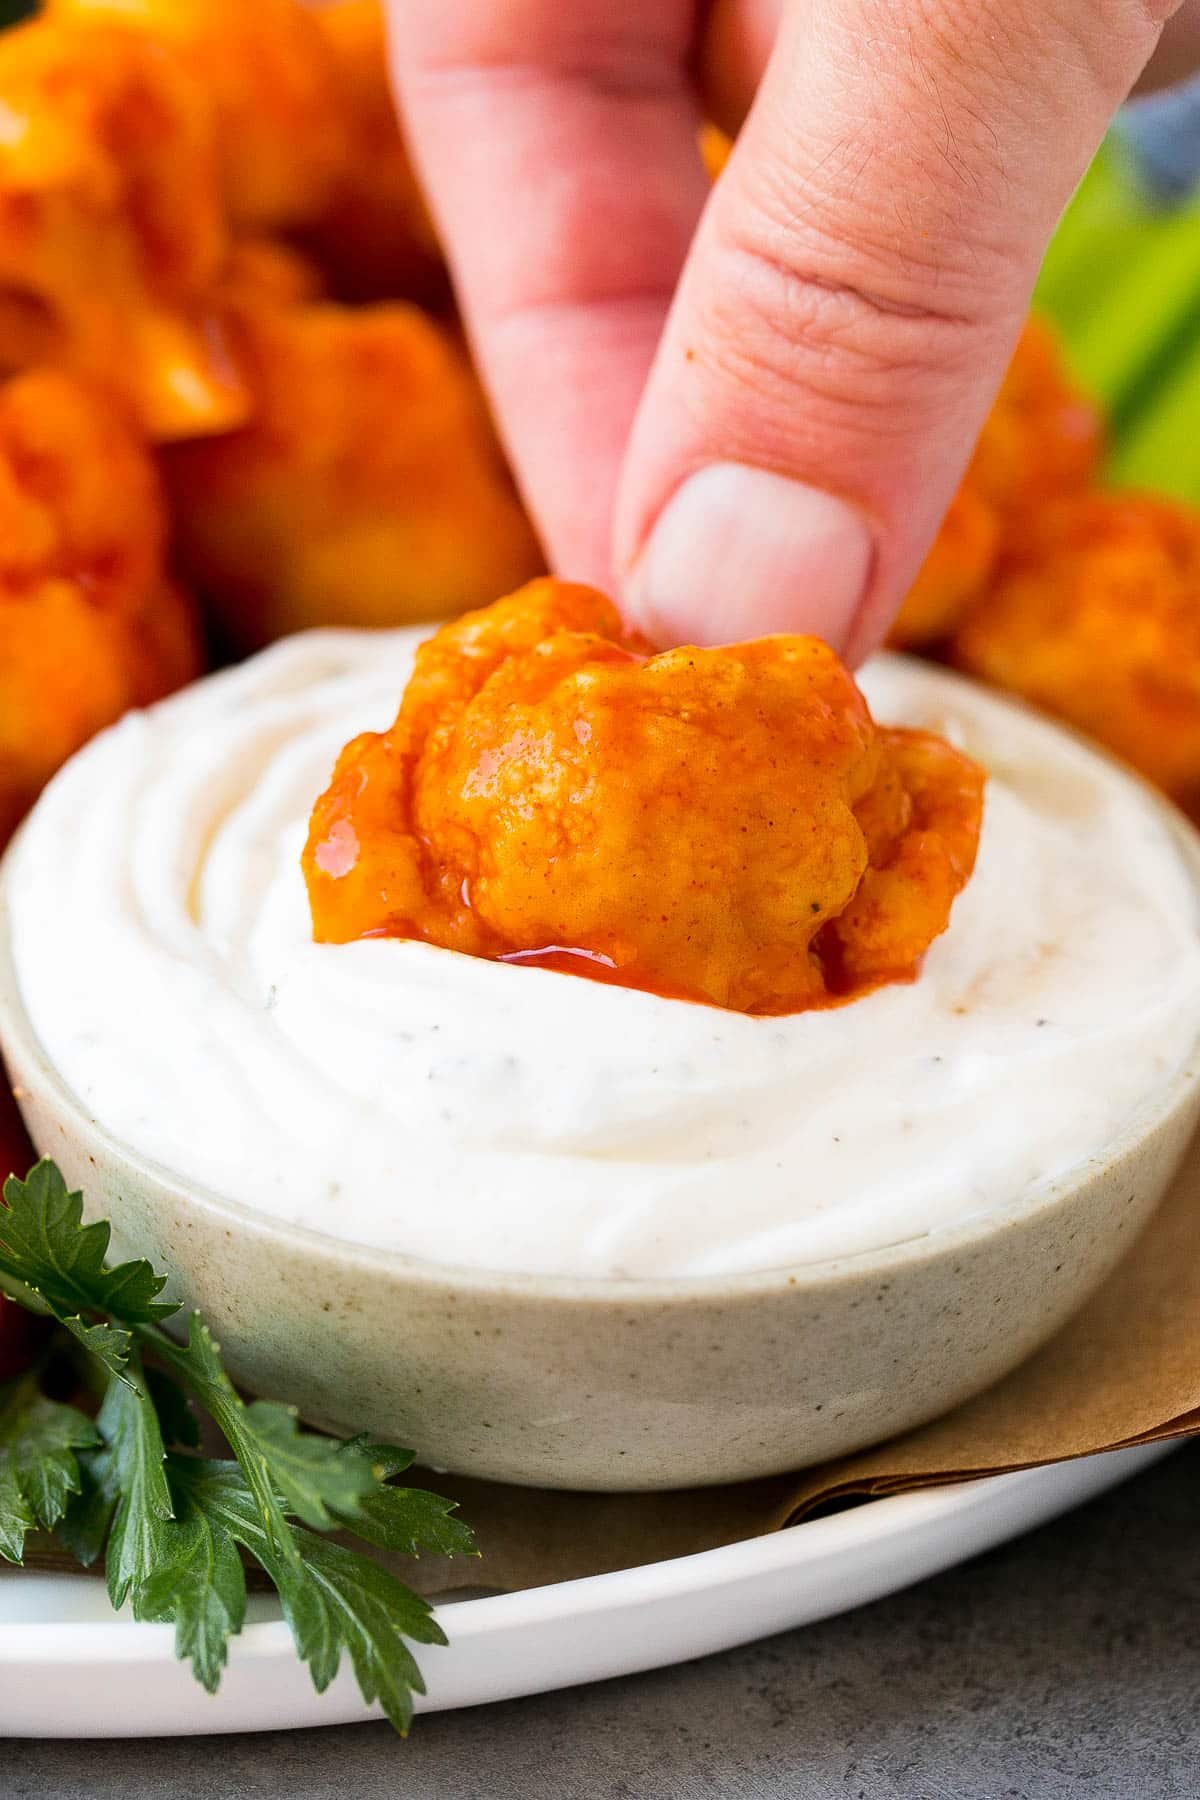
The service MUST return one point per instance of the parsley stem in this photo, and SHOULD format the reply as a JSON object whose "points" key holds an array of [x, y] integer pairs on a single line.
{"points": [[207, 1380]]}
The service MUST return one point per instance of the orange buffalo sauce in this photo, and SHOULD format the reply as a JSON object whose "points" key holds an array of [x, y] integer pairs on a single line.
{"points": [[725, 825]]}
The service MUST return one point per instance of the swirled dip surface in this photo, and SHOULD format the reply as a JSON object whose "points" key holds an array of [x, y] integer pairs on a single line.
{"points": [[512, 1118]]}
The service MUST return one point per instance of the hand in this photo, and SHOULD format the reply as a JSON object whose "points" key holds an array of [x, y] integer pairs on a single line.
{"points": [[747, 410]]}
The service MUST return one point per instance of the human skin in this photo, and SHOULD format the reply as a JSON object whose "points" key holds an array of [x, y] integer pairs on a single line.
{"points": [[750, 410]]}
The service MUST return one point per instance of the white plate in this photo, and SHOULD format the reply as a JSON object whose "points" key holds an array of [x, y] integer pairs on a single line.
{"points": [[69, 1668]]}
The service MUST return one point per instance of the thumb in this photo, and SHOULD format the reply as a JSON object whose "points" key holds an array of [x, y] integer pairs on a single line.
{"points": [[850, 303]]}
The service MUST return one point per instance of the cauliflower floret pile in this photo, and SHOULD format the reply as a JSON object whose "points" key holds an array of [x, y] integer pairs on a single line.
{"points": [[111, 229], [721, 825], [271, 84], [90, 624], [1099, 622], [1041, 442], [184, 184], [375, 236], [368, 487]]}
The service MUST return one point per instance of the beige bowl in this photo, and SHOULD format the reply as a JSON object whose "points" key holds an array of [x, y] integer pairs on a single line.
{"points": [[615, 1384]]}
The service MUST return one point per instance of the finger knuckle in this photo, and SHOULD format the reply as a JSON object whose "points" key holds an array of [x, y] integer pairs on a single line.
{"points": [[784, 325]]}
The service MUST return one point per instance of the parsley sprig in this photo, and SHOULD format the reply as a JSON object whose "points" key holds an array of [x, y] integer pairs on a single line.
{"points": [[176, 1528]]}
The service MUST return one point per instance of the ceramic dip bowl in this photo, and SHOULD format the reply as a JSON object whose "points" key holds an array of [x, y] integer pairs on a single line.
{"points": [[551, 1231], [630, 1384]]}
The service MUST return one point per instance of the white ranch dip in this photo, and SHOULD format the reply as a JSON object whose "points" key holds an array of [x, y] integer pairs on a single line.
{"points": [[514, 1118]]}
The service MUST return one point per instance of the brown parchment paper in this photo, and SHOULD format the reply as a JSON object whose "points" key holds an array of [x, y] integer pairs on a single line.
{"points": [[1126, 1370]]}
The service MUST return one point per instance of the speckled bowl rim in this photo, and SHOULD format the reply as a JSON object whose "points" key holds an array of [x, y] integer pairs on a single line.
{"points": [[657, 1291]]}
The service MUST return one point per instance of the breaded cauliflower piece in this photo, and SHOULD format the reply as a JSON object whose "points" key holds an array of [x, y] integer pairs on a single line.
{"points": [[1098, 621], [268, 72], [374, 235], [1042, 440], [111, 232], [719, 825], [266, 271], [960, 563], [715, 147], [1044, 437], [921, 858], [89, 623], [368, 488]]}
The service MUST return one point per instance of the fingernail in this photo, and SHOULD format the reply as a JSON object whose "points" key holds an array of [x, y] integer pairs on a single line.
{"points": [[739, 552]]}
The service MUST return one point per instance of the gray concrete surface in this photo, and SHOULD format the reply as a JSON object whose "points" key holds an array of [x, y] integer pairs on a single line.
{"points": [[1067, 1663]]}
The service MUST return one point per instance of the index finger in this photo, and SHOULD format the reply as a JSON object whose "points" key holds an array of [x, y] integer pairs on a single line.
{"points": [[557, 139]]}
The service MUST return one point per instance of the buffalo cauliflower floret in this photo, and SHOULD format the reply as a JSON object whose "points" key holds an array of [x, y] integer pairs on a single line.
{"points": [[721, 825], [1042, 440], [374, 235], [367, 489], [1099, 622], [89, 623], [111, 231], [269, 76]]}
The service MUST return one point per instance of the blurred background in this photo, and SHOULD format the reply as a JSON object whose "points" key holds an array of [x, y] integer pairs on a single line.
{"points": [[235, 400]]}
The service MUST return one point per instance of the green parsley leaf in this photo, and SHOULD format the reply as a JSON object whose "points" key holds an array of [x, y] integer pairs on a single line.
{"points": [[135, 1475], [333, 1598], [413, 1522], [284, 1466], [39, 1465], [44, 1242], [23, 1295], [344, 1600], [45, 1247], [16, 1514], [408, 1521], [109, 1344], [198, 1583], [386, 1459], [179, 1423], [315, 1480], [85, 1525], [173, 1527], [198, 1365]]}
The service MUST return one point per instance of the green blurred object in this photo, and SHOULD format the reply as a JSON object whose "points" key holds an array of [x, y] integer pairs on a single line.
{"points": [[1122, 282], [13, 11]]}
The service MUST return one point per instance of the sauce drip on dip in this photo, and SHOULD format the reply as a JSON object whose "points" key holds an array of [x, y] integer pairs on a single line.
{"points": [[723, 825]]}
